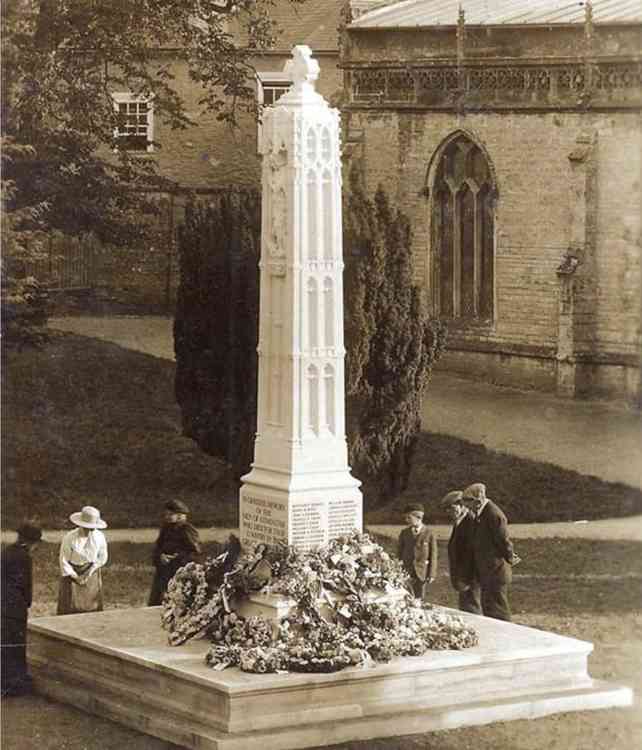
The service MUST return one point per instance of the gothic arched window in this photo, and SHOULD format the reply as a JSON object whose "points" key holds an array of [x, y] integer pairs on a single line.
{"points": [[463, 230]]}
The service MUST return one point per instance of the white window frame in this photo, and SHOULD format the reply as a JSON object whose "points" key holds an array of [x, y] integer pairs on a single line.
{"points": [[127, 97], [263, 81]]}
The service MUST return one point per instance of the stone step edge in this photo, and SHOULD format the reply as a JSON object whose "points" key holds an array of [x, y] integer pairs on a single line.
{"points": [[70, 675], [197, 737]]}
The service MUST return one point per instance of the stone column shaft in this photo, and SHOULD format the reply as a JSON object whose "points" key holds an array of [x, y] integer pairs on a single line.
{"points": [[300, 488]]}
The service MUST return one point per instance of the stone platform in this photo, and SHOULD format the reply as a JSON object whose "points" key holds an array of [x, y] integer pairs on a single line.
{"points": [[117, 664]]}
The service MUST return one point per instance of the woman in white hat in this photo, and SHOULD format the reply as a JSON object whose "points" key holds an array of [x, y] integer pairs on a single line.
{"points": [[83, 552]]}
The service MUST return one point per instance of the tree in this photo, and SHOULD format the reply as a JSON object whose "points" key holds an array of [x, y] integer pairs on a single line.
{"points": [[216, 325], [64, 59], [390, 339], [23, 301], [391, 343]]}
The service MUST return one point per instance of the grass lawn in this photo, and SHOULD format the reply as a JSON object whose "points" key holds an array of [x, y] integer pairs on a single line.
{"points": [[88, 422], [585, 589], [563, 576]]}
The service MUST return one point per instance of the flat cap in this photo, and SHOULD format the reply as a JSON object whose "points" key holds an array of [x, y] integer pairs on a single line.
{"points": [[414, 508], [176, 506], [475, 491], [452, 498]]}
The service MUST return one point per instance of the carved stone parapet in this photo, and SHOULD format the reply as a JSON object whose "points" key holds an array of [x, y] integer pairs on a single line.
{"points": [[486, 85]]}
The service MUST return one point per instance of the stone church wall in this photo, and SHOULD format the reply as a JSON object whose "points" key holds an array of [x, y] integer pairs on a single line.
{"points": [[532, 154], [556, 111]]}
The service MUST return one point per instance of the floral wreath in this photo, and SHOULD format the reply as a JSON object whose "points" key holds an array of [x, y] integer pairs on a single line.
{"points": [[333, 623]]}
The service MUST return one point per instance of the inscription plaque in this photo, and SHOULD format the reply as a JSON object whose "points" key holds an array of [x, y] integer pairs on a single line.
{"points": [[307, 524], [263, 520], [343, 517]]}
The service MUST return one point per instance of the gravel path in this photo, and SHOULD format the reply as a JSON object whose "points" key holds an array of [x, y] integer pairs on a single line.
{"points": [[620, 529], [590, 437]]}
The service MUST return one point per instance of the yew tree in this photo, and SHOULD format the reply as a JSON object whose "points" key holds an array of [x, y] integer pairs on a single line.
{"points": [[391, 340], [216, 325]]}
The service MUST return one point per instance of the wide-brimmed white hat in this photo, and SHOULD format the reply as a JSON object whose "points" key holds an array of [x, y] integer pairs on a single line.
{"points": [[88, 518]]}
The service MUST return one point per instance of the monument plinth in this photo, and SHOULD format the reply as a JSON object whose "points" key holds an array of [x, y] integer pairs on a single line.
{"points": [[117, 664], [300, 489]]}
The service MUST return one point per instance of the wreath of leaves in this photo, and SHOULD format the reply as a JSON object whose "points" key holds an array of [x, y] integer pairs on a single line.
{"points": [[333, 623]]}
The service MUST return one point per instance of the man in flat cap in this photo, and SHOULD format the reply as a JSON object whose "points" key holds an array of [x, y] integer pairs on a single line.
{"points": [[493, 555], [177, 544], [460, 553], [15, 597], [418, 551]]}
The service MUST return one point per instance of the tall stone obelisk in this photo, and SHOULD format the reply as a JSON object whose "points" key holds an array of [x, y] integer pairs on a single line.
{"points": [[300, 488]]}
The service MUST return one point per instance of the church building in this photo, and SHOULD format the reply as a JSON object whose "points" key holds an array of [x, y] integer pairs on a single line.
{"points": [[510, 133]]}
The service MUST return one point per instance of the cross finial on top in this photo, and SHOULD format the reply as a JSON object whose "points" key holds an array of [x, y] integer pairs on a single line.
{"points": [[302, 68]]}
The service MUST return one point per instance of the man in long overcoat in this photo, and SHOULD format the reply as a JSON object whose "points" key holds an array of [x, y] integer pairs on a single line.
{"points": [[418, 551], [493, 555], [177, 544], [16, 568], [460, 553]]}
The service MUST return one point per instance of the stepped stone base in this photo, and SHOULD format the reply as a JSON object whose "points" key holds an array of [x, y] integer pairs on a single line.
{"points": [[117, 664]]}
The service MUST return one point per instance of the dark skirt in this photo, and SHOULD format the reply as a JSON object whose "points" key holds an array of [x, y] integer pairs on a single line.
{"points": [[159, 587], [13, 639], [73, 598]]}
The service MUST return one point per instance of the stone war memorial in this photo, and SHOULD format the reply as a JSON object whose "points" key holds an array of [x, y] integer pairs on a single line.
{"points": [[299, 494], [300, 488]]}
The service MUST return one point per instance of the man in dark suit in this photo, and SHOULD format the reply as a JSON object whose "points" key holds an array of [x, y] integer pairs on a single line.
{"points": [[16, 569], [460, 553], [418, 551], [493, 554], [177, 544]]}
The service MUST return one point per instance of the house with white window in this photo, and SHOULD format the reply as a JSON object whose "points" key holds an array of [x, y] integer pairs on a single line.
{"points": [[212, 155], [509, 132], [135, 130]]}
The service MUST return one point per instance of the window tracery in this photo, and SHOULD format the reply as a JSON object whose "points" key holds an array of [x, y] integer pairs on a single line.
{"points": [[463, 217]]}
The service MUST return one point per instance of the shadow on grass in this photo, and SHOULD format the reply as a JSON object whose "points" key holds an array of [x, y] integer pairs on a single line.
{"points": [[89, 422], [527, 491]]}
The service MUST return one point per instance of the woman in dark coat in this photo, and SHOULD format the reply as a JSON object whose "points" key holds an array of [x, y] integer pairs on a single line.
{"points": [[177, 544], [16, 567]]}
